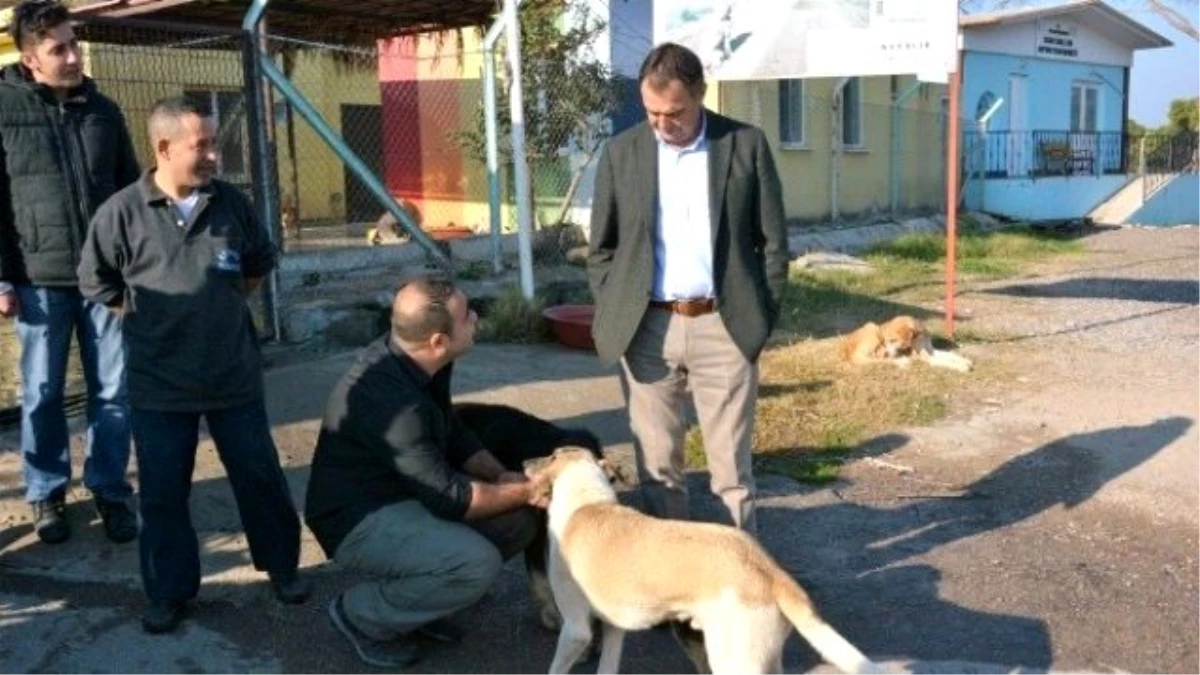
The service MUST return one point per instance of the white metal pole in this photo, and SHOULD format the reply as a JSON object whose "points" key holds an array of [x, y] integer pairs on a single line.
{"points": [[520, 167], [493, 153]]}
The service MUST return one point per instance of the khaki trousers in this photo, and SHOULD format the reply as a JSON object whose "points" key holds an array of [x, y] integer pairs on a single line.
{"points": [[669, 354]]}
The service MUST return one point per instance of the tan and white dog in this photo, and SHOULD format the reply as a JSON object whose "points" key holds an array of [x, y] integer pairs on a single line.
{"points": [[899, 341], [633, 572]]}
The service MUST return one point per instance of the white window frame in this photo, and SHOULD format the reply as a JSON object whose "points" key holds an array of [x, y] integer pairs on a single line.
{"points": [[1079, 92], [857, 113], [793, 104]]}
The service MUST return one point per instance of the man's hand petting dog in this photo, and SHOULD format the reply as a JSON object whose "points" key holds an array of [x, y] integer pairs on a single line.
{"points": [[511, 477], [537, 498]]}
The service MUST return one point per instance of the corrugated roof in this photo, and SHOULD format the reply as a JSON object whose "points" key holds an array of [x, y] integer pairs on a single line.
{"points": [[340, 21]]}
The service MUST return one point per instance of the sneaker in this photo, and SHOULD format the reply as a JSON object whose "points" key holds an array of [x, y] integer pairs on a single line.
{"points": [[162, 616], [51, 523], [289, 587], [120, 525], [441, 630], [399, 653]]}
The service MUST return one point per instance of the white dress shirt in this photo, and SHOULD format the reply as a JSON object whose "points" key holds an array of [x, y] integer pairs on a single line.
{"points": [[683, 233]]}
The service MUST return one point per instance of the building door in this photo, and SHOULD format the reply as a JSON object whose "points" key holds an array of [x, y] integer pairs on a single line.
{"points": [[1020, 141], [362, 127]]}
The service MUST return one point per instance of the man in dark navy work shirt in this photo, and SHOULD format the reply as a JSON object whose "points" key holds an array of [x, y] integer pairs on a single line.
{"points": [[402, 490], [176, 253]]}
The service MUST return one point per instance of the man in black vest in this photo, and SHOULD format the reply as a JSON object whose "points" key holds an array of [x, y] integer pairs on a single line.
{"points": [[64, 149], [688, 259]]}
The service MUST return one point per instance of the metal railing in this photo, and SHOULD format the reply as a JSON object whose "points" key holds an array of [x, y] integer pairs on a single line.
{"points": [[1043, 153], [1161, 156]]}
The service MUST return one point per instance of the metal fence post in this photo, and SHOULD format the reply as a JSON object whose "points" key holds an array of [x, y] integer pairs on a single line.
{"points": [[261, 153]]}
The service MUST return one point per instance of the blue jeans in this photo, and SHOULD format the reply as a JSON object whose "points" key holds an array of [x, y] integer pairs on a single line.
{"points": [[48, 317], [166, 454]]}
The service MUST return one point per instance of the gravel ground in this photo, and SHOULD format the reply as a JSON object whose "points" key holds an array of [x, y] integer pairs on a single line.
{"points": [[1048, 524]]}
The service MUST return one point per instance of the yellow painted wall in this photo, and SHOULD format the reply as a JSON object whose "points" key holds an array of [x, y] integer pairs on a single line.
{"points": [[327, 84], [863, 186], [135, 77], [138, 76], [8, 50]]}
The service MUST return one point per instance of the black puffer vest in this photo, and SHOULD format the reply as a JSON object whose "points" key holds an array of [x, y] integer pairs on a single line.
{"points": [[58, 163]]}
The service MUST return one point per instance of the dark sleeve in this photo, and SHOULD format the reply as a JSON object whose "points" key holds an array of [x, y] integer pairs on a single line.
{"points": [[772, 223], [127, 163], [102, 257], [422, 465], [258, 256], [602, 238], [463, 441], [10, 255]]}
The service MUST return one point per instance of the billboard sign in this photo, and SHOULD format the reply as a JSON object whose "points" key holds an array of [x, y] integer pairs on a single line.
{"points": [[784, 39]]}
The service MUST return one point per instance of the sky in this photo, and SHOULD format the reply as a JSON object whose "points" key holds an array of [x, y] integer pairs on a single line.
{"points": [[1160, 75]]}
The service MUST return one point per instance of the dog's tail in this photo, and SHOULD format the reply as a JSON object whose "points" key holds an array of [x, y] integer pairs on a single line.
{"points": [[798, 608]]}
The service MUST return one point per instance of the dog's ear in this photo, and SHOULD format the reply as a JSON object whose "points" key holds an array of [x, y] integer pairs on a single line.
{"points": [[537, 465], [612, 470]]}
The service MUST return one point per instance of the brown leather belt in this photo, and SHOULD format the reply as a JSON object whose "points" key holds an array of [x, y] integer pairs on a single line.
{"points": [[696, 307]]}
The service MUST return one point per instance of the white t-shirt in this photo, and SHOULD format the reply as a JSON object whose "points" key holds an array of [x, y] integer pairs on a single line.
{"points": [[187, 204]]}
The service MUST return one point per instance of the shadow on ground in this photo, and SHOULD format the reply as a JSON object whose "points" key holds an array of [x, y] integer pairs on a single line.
{"points": [[1174, 291]]}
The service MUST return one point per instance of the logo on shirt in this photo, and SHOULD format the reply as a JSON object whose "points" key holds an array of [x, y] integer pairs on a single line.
{"points": [[228, 260]]}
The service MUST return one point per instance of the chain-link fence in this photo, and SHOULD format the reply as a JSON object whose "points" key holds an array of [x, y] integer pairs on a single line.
{"points": [[136, 66], [850, 157], [412, 109]]}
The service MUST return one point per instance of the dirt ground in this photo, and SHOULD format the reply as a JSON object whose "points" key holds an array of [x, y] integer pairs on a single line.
{"points": [[1048, 523]]}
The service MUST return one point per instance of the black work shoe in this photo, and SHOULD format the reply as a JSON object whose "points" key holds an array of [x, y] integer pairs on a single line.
{"points": [[120, 525], [162, 616], [399, 653], [50, 515], [441, 630], [289, 588]]}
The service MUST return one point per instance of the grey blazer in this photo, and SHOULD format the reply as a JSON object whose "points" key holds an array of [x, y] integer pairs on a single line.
{"points": [[748, 229]]}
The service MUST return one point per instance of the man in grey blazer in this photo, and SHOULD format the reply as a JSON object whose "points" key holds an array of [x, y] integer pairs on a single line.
{"points": [[687, 263]]}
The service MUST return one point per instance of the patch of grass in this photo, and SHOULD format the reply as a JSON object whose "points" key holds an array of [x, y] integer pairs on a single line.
{"points": [[512, 318], [825, 303], [839, 435], [906, 271], [474, 270], [814, 410], [923, 410], [1004, 250], [815, 468]]}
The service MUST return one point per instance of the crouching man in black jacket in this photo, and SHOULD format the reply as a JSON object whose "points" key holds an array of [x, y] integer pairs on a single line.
{"points": [[401, 489], [64, 149]]}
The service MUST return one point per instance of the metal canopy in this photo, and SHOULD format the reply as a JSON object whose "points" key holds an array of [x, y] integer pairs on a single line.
{"points": [[349, 22]]}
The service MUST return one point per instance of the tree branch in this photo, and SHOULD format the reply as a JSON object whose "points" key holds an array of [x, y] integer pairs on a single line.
{"points": [[1174, 17]]}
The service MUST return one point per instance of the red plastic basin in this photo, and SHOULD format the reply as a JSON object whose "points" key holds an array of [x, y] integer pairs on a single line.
{"points": [[571, 325]]}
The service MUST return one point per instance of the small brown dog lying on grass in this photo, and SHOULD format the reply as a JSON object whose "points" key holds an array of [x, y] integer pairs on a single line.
{"points": [[899, 341]]}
